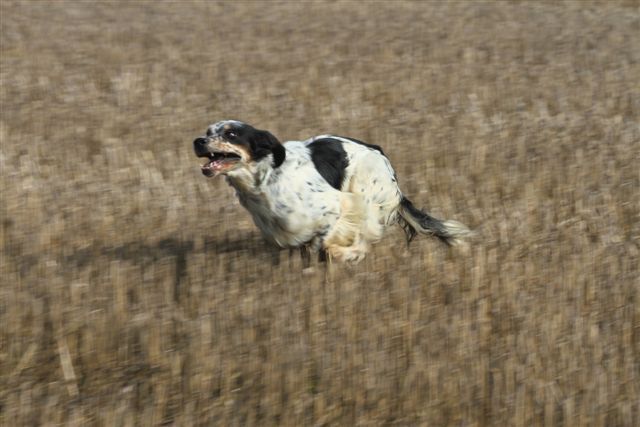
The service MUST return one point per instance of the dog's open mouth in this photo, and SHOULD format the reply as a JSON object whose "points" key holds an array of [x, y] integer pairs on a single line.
{"points": [[219, 162]]}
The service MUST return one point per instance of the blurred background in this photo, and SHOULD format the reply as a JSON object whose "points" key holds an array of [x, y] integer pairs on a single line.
{"points": [[133, 291]]}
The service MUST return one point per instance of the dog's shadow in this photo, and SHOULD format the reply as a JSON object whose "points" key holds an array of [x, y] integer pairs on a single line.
{"points": [[237, 243], [100, 254], [258, 248]]}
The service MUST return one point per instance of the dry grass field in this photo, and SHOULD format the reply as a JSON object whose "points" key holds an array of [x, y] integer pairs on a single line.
{"points": [[134, 291]]}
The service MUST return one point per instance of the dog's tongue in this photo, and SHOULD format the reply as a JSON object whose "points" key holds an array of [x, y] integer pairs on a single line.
{"points": [[210, 169]]}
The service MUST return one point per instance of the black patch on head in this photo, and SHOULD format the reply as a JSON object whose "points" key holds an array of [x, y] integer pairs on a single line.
{"points": [[262, 144], [234, 132], [330, 160], [372, 146]]}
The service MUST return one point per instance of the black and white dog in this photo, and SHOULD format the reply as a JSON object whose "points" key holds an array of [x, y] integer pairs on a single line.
{"points": [[328, 193]]}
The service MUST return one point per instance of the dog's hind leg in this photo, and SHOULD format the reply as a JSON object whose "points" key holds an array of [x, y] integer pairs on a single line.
{"points": [[344, 241], [374, 180]]}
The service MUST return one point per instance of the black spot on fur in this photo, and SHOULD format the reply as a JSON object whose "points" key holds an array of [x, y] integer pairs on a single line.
{"points": [[372, 146], [330, 160]]}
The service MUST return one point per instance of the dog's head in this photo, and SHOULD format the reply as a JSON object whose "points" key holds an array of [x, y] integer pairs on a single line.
{"points": [[231, 145]]}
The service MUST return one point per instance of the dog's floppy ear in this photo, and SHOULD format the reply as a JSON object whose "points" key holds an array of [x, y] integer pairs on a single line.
{"points": [[263, 144]]}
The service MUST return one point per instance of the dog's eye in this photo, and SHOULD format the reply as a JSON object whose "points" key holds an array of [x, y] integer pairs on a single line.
{"points": [[230, 134]]}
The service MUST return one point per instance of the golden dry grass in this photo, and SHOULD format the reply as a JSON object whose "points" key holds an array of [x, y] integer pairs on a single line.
{"points": [[136, 292]]}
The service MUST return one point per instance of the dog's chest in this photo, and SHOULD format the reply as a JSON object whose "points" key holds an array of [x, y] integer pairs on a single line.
{"points": [[292, 212]]}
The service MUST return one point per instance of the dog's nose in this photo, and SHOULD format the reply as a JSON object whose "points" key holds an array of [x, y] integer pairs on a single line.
{"points": [[199, 141]]}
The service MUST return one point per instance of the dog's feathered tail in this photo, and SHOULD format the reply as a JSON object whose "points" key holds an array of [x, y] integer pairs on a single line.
{"points": [[413, 219]]}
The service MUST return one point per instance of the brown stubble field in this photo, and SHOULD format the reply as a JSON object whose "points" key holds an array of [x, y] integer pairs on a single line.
{"points": [[136, 292]]}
